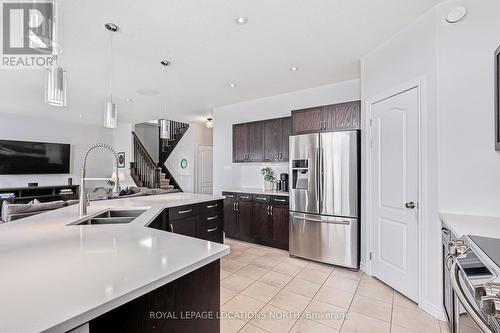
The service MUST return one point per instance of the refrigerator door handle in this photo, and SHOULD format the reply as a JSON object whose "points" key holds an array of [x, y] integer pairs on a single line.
{"points": [[318, 177]]}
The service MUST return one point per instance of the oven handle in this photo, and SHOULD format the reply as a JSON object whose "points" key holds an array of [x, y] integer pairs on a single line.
{"points": [[476, 317]]}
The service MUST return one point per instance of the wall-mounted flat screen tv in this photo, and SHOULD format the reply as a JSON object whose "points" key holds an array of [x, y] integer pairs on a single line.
{"points": [[23, 158]]}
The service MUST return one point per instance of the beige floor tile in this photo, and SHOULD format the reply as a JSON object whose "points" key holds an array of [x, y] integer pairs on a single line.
{"points": [[252, 329], [232, 254], [334, 296], [245, 257], [261, 291], [275, 320], [400, 329], [342, 283], [344, 272], [444, 327], [275, 279], [242, 307], [266, 262], [414, 319], [287, 269], [303, 287], [281, 256], [379, 293], [289, 301], [403, 301], [226, 295], [324, 313], [371, 308], [297, 261], [358, 323], [257, 251], [231, 325], [252, 272], [224, 274], [236, 282], [368, 281], [309, 326], [231, 265], [314, 275], [321, 267]]}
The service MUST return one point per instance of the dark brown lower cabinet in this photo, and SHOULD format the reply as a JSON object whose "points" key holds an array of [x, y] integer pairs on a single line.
{"points": [[170, 308], [204, 221], [262, 219]]}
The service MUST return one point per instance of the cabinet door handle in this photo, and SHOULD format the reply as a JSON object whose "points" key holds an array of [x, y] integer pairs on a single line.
{"points": [[245, 197], [280, 200], [271, 210], [260, 198], [212, 206], [229, 196], [234, 206], [213, 229], [171, 227], [212, 218], [185, 211], [268, 212], [237, 206]]}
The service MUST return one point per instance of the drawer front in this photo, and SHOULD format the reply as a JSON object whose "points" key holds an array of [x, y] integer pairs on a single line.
{"points": [[211, 208], [283, 200], [261, 198], [177, 213], [211, 228], [230, 195], [211, 218], [244, 197]]}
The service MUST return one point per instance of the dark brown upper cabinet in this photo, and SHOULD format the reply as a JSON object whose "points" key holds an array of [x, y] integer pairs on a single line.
{"points": [[276, 136], [333, 117], [261, 141]]}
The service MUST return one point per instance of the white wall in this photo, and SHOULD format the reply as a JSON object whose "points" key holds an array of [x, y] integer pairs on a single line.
{"points": [[150, 138], [81, 137], [229, 175], [410, 56], [187, 148], [456, 62], [469, 165]]}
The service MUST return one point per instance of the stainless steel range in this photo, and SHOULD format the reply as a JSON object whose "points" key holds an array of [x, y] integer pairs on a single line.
{"points": [[324, 197], [475, 278]]}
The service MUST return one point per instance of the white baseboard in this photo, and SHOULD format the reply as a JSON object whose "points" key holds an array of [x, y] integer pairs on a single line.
{"points": [[363, 268], [435, 311]]}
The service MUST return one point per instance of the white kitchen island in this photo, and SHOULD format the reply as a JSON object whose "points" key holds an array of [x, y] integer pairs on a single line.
{"points": [[55, 276]]}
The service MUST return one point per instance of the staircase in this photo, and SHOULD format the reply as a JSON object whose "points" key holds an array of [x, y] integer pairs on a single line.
{"points": [[176, 132], [144, 170], [148, 173]]}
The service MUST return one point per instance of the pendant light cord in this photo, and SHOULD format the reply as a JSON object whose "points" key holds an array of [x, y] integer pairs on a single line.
{"points": [[111, 66], [165, 92]]}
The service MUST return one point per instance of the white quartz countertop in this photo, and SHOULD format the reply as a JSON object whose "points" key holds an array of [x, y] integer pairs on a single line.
{"points": [[257, 191], [460, 225], [54, 277]]}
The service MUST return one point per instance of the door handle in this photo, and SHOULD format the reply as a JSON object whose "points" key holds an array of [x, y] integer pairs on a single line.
{"points": [[280, 200], [212, 218], [171, 227], [268, 212], [212, 206], [185, 211], [234, 206], [237, 206], [410, 205], [271, 210], [213, 229]]}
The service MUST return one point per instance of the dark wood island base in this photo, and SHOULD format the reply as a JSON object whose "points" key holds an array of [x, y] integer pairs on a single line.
{"points": [[189, 304]]}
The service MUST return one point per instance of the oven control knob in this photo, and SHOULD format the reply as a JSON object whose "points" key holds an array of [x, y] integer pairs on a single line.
{"points": [[457, 247], [491, 306]]}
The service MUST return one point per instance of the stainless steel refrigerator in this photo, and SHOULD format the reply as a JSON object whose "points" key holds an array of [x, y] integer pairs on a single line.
{"points": [[324, 197]]}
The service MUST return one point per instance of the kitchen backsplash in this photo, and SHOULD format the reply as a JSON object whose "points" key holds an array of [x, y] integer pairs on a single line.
{"points": [[250, 175]]}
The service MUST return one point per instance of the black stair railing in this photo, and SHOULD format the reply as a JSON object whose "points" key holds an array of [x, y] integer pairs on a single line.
{"points": [[176, 132], [146, 170]]}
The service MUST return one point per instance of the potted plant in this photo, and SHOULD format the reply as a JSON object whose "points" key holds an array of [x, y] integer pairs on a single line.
{"points": [[269, 178]]}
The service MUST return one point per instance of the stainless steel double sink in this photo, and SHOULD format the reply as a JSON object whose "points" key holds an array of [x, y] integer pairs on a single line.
{"points": [[113, 217]]}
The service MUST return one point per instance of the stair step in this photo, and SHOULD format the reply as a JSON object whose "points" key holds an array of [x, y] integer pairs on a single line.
{"points": [[164, 182], [167, 187]]}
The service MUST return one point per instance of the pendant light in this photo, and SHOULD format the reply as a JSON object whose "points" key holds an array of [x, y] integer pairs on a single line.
{"points": [[55, 88], [210, 122], [164, 123], [111, 112]]}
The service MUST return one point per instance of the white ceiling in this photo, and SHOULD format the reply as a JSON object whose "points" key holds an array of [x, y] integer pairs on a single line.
{"points": [[324, 38]]}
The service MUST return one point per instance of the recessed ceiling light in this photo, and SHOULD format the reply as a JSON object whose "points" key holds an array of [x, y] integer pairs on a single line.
{"points": [[81, 116], [232, 85], [241, 20], [128, 100], [456, 15], [294, 69]]}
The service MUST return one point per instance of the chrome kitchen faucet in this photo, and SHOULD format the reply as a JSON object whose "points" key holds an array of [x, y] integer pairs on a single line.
{"points": [[84, 201]]}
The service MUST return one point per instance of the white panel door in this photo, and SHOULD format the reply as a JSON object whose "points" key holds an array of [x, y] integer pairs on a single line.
{"points": [[394, 174], [205, 183]]}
